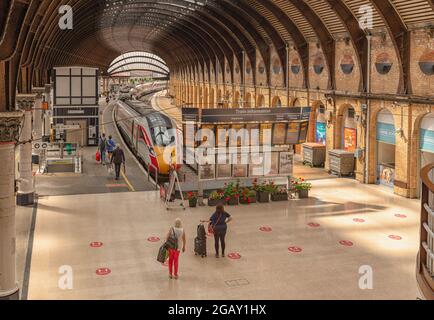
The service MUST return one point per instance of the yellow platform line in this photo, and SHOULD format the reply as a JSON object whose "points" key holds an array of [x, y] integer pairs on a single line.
{"points": [[127, 181]]}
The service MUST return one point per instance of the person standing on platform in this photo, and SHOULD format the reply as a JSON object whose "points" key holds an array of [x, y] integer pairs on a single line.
{"points": [[111, 145], [218, 224], [118, 158], [174, 237], [103, 148]]}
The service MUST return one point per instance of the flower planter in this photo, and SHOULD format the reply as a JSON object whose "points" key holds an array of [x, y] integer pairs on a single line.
{"points": [[192, 203], [279, 197], [214, 202], [263, 197], [232, 201], [303, 194], [248, 201]]}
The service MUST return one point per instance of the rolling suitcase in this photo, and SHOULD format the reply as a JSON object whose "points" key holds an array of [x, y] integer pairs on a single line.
{"points": [[200, 247], [201, 232]]}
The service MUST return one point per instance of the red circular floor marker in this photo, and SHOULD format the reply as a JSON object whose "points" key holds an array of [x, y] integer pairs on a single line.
{"points": [[346, 243], [358, 220], [395, 237], [314, 225], [96, 244], [103, 271], [295, 249], [234, 256], [153, 239], [401, 216], [266, 229]]}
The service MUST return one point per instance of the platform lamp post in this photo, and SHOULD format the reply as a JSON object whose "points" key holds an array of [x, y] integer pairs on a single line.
{"points": [[10, 124], [26, 190]]}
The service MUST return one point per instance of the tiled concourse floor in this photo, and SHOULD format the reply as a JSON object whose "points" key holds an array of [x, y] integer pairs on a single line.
{"points": [[324, 269]]}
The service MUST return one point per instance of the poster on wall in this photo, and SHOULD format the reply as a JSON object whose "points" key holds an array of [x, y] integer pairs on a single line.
{"points": [[350, 139], [224, 171], [286, 163], [304, 126], [386, 175], [321, 133], [427, 140], [279, 134], [293, 133]]}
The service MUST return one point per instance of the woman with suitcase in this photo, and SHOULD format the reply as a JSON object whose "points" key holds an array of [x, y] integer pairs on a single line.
{"points": [[218, 225]]}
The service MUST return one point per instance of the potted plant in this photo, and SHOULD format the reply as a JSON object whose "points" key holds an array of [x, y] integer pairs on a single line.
{"points": [[280, 194], [192, 199], [264, 191], [215, 198], [247, 196], [231, 194], [302, 187]]}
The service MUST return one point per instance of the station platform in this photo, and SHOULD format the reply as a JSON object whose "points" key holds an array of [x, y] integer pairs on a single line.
{"points": [[314, 250], [95, 177]]}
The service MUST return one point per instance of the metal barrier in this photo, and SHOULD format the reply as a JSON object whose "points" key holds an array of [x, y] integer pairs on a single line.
{"points": [[425, 264]]}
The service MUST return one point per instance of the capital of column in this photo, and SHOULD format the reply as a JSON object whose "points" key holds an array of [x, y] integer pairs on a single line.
{"points": [[10, 124], [25, 101], [39, 91]]}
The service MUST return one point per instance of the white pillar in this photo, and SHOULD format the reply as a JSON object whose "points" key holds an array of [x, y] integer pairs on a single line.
{"points": [[26, 191], [10, 123], [47, 116], [38, 114]]}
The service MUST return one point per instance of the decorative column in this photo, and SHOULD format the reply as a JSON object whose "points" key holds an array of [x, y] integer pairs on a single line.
{"points": [[26, 191], [38, 114], [10, 123], [47, 113]]}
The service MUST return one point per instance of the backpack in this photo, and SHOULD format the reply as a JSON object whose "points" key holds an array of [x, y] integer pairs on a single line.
{"points": [[172, 242], [162, 254]]}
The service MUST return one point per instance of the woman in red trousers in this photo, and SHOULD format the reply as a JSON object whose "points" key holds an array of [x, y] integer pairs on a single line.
{"points": [[175, 236]]}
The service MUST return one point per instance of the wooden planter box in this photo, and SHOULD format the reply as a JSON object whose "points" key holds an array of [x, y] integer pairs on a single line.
{"points": [[215, 203], [263, 197], [279, 197], [303, 194], [233, 202]]}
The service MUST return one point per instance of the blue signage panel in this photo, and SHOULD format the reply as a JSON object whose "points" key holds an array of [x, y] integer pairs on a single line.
{"points": [[427, 140], [321, 132], [386, 133]]}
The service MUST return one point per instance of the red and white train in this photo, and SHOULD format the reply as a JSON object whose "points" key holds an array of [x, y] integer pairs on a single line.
{"points": [[152, 136]]}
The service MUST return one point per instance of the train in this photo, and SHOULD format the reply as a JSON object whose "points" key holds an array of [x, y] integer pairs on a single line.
{"points": [[147, 88], [151, 135]]}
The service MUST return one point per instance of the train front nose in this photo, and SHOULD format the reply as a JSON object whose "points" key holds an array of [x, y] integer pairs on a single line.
{"points": [[166, 157]]}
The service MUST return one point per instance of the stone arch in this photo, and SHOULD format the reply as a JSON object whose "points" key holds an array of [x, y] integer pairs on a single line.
{"points": [[261, 101], [295, 102], [236, 101], [415, 156], [248, 100], [277, 102], [340, 125]]}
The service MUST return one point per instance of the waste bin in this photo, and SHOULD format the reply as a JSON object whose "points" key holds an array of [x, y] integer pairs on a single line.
{"points": [[341, 162], [314, 154]]}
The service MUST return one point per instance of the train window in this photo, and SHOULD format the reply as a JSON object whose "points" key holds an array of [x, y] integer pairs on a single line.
{"points": [[161, 136]]}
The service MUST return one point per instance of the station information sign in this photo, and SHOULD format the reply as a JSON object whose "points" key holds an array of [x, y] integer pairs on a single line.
{"points": [[283, 114]]}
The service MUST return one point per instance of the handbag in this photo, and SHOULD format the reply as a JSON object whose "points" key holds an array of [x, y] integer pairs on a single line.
{"points": [[98, 156], [172, 242], [162, 254], [211, 226]]}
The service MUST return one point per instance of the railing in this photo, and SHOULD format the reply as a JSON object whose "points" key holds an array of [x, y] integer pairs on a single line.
{"points": [[425, 263]]}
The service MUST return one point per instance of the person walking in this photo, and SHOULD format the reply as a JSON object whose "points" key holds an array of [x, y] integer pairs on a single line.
{"points": [[103, 148], [218, 224], [111, 145], [175, 236], [118, 158]]}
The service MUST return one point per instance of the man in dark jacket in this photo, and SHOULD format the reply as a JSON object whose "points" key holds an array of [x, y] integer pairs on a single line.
{"points": [[103, 148], [118, 158]]}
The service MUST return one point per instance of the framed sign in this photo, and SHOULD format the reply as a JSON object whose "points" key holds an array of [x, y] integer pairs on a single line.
{"points": [[350, 139], [256, 170], [271, 166], [222, 135], [204, 138], [224, 171], [235, 138], [207, 172], [254, 134], [279, 134], [239, 170], [286, 163], [304, 126], [264, 127], [293, 133]]}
